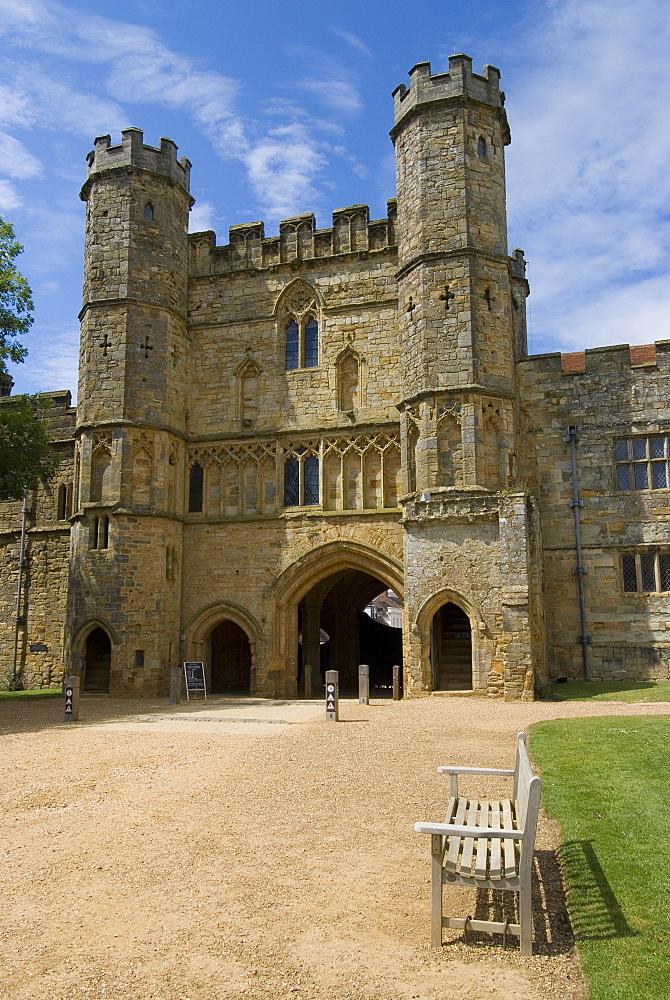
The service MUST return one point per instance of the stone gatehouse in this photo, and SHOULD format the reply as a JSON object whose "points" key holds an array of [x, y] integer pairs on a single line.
{"points": [[271, 432]]}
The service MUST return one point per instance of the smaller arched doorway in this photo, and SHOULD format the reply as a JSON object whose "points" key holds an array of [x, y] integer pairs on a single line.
{"points": [[230, 659], [451, 649], [97, 662]]}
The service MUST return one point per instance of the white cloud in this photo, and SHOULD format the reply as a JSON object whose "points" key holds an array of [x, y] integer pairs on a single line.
{"points": [[340, 95], [201, 217], [10, 198], [282, 167], [53, 359], [587, 171], [353, 40], [15, 160]]}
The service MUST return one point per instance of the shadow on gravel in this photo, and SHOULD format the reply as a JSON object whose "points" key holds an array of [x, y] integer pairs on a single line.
{"points": [[552, 930], [18, 716]]}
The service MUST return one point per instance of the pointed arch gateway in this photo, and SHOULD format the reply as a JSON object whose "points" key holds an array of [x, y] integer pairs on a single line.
{"points": [[92, 655], [319, 603]]}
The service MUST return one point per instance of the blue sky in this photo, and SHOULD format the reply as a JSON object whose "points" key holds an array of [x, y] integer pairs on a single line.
{"points": [[285, 107]]}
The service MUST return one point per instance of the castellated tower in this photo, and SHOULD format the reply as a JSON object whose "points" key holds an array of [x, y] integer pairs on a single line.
{"points": [[461, 303], [456, 306], [126, 538]]}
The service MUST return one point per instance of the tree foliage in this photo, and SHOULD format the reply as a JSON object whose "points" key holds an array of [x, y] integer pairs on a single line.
{"points": [[25, 461], [16, 301]]}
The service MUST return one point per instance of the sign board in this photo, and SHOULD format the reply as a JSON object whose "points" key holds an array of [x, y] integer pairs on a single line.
{"points": [[194, 678]]}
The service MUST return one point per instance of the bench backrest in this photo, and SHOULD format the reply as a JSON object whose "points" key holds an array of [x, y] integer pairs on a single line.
{"points": [[526, 792]]}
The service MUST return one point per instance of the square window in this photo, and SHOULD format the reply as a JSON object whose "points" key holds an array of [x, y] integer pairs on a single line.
{"points": [[648, 574], [629, 573], [623, 477], [621, 450], [639, 448], [641, 478], [656, 449], [664, 567], [659, 478]]}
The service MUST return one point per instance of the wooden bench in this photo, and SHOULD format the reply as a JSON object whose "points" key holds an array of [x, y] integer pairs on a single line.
{"points": [[487, 844]]}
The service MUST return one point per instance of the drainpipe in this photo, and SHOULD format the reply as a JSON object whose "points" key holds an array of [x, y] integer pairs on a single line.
{"points": [[19, 587], [572, 437]]}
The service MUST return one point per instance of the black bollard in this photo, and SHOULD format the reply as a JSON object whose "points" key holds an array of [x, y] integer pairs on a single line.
{"points": [[363, 684], [71, 691], [332, 696]]}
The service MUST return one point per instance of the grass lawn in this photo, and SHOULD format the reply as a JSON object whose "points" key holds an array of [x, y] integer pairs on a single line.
{"points": [[610, 691], [31, 695], [606, 782]]}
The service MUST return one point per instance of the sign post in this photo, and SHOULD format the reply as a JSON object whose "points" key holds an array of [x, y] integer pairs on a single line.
{"points": [[332, 696], [71, 691], [363, 684], [396, 682], [194, 678]]}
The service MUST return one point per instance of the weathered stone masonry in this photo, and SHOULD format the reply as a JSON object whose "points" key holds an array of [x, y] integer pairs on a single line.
{"points": [[270, 432]]}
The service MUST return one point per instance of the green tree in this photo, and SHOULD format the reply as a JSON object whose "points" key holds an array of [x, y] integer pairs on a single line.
{"points": [[25, 461]]}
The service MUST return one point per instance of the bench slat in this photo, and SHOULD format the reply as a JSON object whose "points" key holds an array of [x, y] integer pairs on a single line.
{"points": [[482, 842], [494, 869], [468, 842], [451, 863], [508, 845]]}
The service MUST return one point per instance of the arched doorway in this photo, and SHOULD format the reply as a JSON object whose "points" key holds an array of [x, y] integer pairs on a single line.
{"points": [[451, 649], [97, 662], [336, 607], [230, 659]]}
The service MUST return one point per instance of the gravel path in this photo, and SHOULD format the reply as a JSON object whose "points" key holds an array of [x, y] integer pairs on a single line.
{"points": [[251, 849]]}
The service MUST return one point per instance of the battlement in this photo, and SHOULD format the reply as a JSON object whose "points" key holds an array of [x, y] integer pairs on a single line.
{"points": [[460, 81], [132, 152], [599, 361], [299, 240]]}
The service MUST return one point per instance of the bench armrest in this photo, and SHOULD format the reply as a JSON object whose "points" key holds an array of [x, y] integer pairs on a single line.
{"points": [[475, 770], [447, 830]]}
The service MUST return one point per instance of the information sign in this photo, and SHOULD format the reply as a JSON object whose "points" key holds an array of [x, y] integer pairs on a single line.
{"points": [[194, 679]]}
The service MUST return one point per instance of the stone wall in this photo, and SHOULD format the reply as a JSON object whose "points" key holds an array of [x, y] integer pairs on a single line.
{"points": [[609, 395]]}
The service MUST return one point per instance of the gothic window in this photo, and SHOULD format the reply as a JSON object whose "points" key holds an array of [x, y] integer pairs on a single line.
{"points": [[302, 344], [301, 480], [311, 480], [481, 148], [149, 211], [195, 488], [646, 572], [291, 482], [311, 343], [642, 463]]}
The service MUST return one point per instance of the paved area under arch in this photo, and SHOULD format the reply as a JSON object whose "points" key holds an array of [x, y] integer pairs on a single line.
{"points": [[243, 848]]}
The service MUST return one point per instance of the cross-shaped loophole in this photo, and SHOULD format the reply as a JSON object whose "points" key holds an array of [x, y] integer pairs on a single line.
{"points": [[146, 346], [105, 344], [446, 298]]}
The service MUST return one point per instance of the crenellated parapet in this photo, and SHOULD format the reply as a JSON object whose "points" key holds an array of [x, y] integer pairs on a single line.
{"points": [[133, 152], [298, 240], [459, 82]]}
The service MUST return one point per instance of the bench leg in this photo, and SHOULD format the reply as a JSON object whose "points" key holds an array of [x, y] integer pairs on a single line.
{"points": [[436, 891], [526, 919]]}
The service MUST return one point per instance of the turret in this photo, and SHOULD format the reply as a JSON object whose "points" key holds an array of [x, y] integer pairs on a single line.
{"points": [[455, 278], [126, 536]]}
